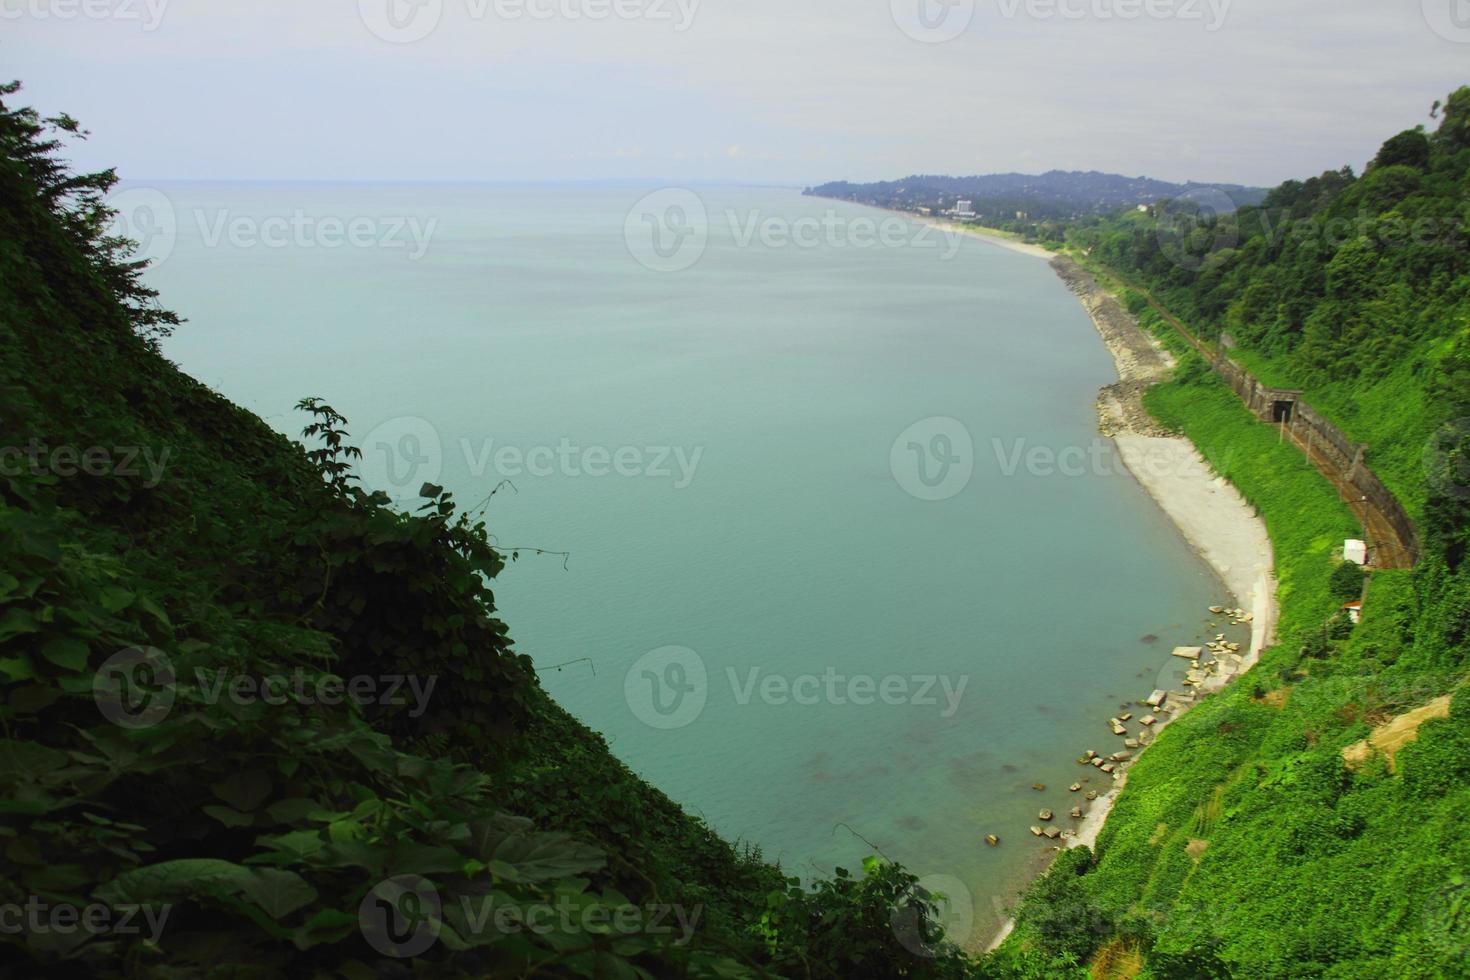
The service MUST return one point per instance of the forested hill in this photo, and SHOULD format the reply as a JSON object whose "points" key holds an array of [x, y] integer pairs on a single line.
{"points": [[1055, 195], [1308, 821], [1356, 288], [186, 597]]}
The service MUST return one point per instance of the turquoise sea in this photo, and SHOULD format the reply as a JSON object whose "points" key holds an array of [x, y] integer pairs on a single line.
{"points": [[848, 565]]}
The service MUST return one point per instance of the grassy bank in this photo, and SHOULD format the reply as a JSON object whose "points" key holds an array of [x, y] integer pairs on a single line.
{"points": [[1304, 515], [1308, 820], [1394, 416], [1244, 845]]}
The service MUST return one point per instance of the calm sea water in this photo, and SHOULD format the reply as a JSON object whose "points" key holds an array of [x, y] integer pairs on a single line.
{"points": [[795, 600]]}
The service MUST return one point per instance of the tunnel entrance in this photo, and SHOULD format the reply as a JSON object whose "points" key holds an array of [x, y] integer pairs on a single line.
{"points": [[1281, 411]]}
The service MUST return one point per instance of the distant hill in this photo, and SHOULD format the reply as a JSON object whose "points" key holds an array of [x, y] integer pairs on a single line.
{"points": [[1058, 195]]}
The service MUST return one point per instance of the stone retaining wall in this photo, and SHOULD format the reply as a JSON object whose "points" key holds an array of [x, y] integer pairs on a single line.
{"points": [[1324, 441], [1326, 445]]}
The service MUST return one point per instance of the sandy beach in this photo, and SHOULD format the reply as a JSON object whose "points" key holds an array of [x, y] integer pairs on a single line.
{"points": [[1211, 514], [989, 235]]}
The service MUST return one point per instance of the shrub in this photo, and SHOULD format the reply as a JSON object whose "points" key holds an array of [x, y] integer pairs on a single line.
{"points": [[1347, 581]]}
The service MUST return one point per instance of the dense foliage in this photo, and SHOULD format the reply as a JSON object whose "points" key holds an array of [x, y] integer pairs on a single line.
{"points": [[1355, 288], [1261, 836], [258, 723]]}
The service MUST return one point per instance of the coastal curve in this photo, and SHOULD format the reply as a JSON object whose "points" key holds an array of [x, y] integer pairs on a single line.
{"points": [[1211, 514]]}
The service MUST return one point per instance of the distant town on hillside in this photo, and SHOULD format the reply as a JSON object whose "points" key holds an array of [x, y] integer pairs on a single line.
{"points": [[1028, 202]]}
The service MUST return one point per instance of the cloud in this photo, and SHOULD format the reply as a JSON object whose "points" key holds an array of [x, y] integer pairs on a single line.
{"points": [[818, 90]]}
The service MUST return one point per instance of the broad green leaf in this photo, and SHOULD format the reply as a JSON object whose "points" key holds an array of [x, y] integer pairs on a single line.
{"points": [[244, 790], [291, 848], [67, 652], [175, 881], [292, 810], [115, 598], [279, 892], [15, 622], [17, 668], [329, 926], [543, 857], [229, 817], [28, 760]]}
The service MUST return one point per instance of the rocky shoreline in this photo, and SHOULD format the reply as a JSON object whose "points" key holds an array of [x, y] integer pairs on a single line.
{"points": [[1141, 362]]}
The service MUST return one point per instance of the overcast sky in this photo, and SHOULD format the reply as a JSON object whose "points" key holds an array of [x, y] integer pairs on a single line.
{"points": [[790, 91]]}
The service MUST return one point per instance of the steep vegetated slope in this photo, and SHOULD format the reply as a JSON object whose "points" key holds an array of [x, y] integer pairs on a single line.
{"points": [[282, 717], [1261, 836]]}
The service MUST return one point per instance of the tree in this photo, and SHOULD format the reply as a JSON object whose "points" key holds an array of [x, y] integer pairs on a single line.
{"points": [[1409, 148], [1347, 581], [31, 144], [1454, 116]]}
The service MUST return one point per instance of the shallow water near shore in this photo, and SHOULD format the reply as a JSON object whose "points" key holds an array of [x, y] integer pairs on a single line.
{"points": [[735, 454]]}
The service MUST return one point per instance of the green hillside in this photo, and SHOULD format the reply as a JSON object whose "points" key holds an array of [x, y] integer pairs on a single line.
{"points": [[186, 601], [1245, 844], [187, 597]]}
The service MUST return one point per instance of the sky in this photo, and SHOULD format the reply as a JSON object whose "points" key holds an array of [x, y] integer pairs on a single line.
{"points": [[761, 91]]}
